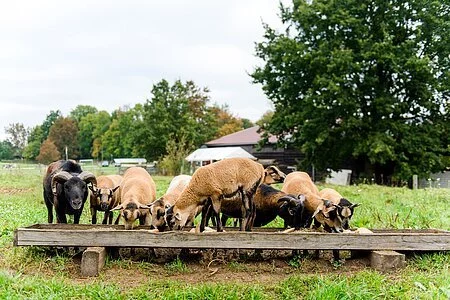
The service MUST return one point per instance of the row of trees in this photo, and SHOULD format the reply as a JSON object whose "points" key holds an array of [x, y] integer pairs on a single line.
{"points": [[364, 83], [178, 118]]}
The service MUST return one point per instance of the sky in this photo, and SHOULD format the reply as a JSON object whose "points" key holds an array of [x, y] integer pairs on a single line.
{"points": [[108, 54]]}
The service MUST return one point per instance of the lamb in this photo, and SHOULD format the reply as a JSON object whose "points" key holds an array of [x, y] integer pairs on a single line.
{"points": [[344, 208], [137, 191], [297, 183], [210, 185], [105, 197], [269, 203], [65, 188], [158, 207]]}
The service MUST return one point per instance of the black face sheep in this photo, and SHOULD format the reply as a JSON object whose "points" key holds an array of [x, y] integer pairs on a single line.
{"points": [[269, 203], [66, 189], [105, 197], [137, 191], [210, 185], [297, 183], [158, 207], [344, 208]]}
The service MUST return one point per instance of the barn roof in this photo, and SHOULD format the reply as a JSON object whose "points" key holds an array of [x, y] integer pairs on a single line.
{"points": [[219, 153], [249, 136]]}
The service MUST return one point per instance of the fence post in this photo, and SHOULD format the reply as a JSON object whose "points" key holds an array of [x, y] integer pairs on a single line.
{"points": [[415, 184]]}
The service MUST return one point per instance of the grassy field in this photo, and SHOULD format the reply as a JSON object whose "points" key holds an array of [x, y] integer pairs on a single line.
{"points": [[45, 273]]}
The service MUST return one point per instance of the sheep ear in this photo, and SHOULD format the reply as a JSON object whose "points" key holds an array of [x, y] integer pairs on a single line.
{"points": [[118, 207], [301, 197], [115, 189], [142, 206], [355, 205], [177, 216], [167, 206], [318, 210]]}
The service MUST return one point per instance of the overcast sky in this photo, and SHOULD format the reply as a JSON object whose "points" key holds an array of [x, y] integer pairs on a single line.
{"points": [[59, 54]]}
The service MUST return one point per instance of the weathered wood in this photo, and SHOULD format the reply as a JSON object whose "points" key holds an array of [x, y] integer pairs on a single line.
{"points": [[386, 260], [67, 235], [92, 261]]}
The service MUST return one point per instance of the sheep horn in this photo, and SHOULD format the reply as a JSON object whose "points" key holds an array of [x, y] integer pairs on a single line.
{"points": [[118, 207], [89, 178], [60, 177]]}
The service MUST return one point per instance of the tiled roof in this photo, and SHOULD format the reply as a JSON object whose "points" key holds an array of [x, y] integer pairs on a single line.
{"points": [[249, 136]]}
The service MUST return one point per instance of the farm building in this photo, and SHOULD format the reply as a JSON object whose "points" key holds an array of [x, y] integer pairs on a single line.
{"points": [[247, 139]]}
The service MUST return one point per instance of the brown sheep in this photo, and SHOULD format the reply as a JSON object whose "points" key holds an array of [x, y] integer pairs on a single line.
{"points": [[137, 191], [344, 208], [210, 185], [158, 207], [297, 183], [105, 197]]}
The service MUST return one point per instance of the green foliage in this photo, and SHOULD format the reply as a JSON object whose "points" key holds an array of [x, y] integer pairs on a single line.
{"points": [[50, 119], [91, 128], [174, 111], [174, 163], [6, 150], [361, 80], [82, 111], [17, 137]]}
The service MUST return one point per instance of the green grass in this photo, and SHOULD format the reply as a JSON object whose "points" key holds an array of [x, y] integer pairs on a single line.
{"points": [[48, 273]]}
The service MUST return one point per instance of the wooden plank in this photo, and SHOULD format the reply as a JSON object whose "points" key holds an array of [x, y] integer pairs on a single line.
{"points": [[109, 236]]}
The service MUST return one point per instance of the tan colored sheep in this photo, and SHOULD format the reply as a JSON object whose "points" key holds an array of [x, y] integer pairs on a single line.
{"points": [[210, 184], [137, 191], [297, 183], [158, 207], [344, 208], [105, 196]]}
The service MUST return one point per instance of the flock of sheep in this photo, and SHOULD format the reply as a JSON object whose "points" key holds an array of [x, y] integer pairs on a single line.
{"points": [[237, 187]]}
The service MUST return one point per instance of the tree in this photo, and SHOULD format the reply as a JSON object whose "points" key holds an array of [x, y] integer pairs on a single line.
{"points": [[173, 163], [174, 111], [91, 129], [6, 150], [120, 138], [226, 123], [81, 111], [48, 122], [17, 137], [246, 123], [365, 81], [35, 139], [48, 153], [64, 133]]}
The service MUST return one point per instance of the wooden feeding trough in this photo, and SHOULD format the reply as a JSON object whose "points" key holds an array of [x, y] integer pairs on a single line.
{"points": [[83, 235]]}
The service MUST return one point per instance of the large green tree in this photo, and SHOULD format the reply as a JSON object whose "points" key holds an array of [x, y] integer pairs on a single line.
{"points": [[17, 136], [174, 111], [81, 111], [120, 139], [91, 129], [366, 81]]}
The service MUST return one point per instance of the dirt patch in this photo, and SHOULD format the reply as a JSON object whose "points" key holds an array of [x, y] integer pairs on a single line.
{"points": [[201, 266]]}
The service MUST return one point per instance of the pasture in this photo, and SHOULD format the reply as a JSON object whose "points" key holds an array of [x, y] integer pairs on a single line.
{"points": [[41, 272]]}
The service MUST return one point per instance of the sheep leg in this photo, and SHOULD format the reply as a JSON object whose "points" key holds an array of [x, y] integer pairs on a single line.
{"points": [[216, 207], [336, 255], [105, 217], [94, 215], [205, 213], [76, 218], [50, 213], [111, 216], [117, 219]]}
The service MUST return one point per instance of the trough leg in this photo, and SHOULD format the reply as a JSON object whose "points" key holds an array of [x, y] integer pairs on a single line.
{"points": [[92, 261], [386, 260]]}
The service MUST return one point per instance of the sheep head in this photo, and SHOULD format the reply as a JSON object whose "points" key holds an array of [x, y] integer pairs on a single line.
{"points": [[345, 212], [326, 215], [130, 213], [158, 212], [273, 175], [175, 219], [104, 197], [74, 187]]}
